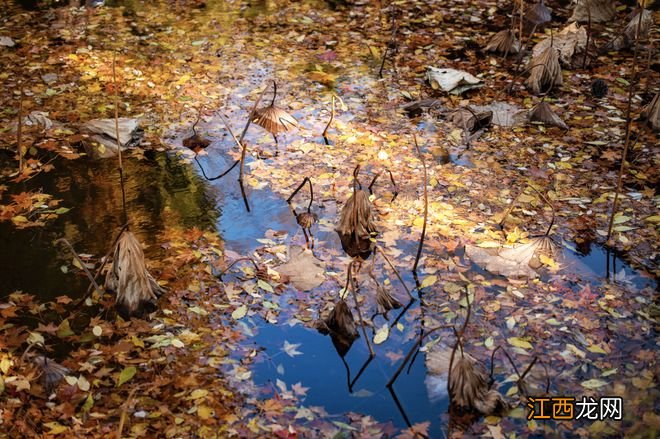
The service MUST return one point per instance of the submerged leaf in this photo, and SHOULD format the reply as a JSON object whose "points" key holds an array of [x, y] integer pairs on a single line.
{"points": [[291, 349], [303, 269], [521, 260]]}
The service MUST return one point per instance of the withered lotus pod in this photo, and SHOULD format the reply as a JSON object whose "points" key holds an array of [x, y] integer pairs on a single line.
{"points": [[52, 371]]}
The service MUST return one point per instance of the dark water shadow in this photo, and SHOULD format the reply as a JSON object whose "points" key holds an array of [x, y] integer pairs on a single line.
{"points": [[159, 189]]}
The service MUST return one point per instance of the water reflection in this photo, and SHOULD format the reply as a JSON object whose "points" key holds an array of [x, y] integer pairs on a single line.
{"points": [[325, 372], [160, 191]]}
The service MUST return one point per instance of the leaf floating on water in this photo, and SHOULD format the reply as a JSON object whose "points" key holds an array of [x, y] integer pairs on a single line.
{"points": [[429, 280], [519, 343], [593, 383], [303, 269], [451, 80], [382, 334], [291, 349], [239, 312], [519, 261]]}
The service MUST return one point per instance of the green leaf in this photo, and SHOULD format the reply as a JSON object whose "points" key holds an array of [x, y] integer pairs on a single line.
{"points": [[519, 343], [264, 285], [593, 383], [64, 330], [62, 210], [429, 280], [596, 349], [239, 312], [89, 403], [452, 288], [620, 219], [609, 372], [126, 374]]}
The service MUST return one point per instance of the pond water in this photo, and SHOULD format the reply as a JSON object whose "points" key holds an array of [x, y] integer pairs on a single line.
{"points": [[165, 187], [184, 197]]}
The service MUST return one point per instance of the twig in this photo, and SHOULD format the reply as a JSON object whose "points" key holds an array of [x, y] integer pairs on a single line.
{"points": [[546, 201], [415, 346], [459, 336], [199, 115], [507, 212], [125, 406], [631, 89], [396, 272], [218, 176], [586, 49], [356, 183], [121, 167], [274, 93], [241, 145], [82, 264], [256, 266], [391, 45], [396, 189], [426, 208]]}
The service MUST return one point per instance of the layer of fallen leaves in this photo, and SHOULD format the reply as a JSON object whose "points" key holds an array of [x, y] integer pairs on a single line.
{"points": [[174, 374]]}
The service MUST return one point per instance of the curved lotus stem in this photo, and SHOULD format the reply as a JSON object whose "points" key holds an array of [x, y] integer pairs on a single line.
{"points": [[426, 208], [311, 193], [274, 93], [332, 116]]}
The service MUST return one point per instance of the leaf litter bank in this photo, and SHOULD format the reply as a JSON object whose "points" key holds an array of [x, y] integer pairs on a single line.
{"points": [[174, 373]]}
